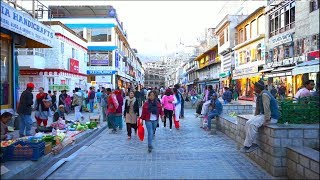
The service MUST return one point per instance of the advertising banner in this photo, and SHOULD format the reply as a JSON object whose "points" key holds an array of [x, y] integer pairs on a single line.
{"points": [[74, 66]]}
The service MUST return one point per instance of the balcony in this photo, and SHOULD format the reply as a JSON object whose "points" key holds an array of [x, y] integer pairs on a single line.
{"points": [[31, 58]]}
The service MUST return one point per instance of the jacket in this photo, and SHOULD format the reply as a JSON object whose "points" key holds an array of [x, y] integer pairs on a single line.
{"points": [[165, 102], [120, 101], [112, 104], [227, 96], [145, 115], [26, 102], [267, 105], [127, 107], [217, 106]]}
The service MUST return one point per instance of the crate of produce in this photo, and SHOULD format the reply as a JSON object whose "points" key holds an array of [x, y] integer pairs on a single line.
{"points": [[23, 151], [48, 148]]}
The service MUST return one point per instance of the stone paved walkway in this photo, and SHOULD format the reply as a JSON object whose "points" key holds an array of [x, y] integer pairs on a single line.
{"points": [[188, 153]]}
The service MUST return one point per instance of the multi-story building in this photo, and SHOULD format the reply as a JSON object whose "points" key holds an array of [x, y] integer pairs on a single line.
{"points": [[16, 34], [155, 74], [192, 74], [249, 53], [225, 32], [62, 67]]}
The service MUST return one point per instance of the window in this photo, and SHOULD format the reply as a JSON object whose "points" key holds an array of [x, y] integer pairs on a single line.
{"points": [[100, 58], [227, 35], [221, 38], [99, 35], [261, 24], [73, 53], [253, 27], [282, 20], [50, 81], [247, 32], [79, 32], [68, 81], [314, 5], [6, 79], [241, 36], [62, 47]]}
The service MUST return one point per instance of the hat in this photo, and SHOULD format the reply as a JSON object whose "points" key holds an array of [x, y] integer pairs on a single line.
{"points": [[61, 106], [30, 85], [259, 84], [215, 94]]}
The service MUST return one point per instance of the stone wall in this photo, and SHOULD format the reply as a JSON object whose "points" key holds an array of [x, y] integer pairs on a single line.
{"points": [[302, 163], [273, 141], [237, 108]]}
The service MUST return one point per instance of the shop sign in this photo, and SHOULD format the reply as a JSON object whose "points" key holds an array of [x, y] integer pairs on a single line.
{"points": [[249, 70], [224, 74], [281, 39], [25, 25], [116, 59], [313, 55], [104, 79], [284, 62], [74, 66], [102, 72], [29, 72]]}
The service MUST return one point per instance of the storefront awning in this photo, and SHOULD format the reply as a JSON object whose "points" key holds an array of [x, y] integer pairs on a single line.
{"points": [[266, 70], [306, 67], [246, 76], [282, 69]]}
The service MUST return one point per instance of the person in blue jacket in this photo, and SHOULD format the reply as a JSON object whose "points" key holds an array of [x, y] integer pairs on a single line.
{"points": [[216, 109]]}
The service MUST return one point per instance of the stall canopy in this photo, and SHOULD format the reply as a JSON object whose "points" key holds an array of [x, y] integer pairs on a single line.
{"points": [[306, 67]]}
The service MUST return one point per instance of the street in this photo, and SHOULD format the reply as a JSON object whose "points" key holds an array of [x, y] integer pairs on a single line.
{"points": [[188, 153]]}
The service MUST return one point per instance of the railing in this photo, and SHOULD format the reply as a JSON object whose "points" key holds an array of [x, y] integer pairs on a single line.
{"points": [[302, 111]]}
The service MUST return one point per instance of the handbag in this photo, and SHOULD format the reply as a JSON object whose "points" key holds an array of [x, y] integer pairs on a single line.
{"points": [[140, 129]]}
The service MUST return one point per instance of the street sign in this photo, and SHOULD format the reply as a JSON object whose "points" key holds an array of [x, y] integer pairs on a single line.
{"points": [[101, 72]]}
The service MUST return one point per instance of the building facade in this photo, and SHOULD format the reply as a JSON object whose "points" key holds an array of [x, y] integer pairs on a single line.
{"points": [[62, 67]]}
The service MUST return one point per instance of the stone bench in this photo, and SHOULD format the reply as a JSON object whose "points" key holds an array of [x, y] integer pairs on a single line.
{"points": [[302, 163]]}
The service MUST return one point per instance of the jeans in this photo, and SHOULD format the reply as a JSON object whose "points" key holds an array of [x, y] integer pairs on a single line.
{"points": [[211, 115], [151, 127], [104, 113], [182, 109], [25, 124], [91, 102], [193, 100]]}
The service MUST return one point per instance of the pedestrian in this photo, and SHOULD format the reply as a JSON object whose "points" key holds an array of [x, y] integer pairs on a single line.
{"points": [[91, 96], [25, 109], [68, 103], [111, 110], [267, 111], [143, 96], [151, 110], [5, 119], [168, 106], [215, 109], [98, 95], [282, 91], [86, 102], [235, 93], [206, 100], [59, 114], [54, 101], [62, 97], [138, 96], [180, 91], [42, 105], [177, 104], [131, 113], [77, 103], [193, 95], [118, 114], [227, 95], [305, 91], [104, 102]]}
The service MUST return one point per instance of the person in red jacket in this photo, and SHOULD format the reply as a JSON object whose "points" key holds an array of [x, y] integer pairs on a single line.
{"points": [[150, 114], [118, 115], [112, 109]]}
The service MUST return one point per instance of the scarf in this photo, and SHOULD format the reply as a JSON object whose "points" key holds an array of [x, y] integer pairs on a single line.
{"points": [[130, 100], [153, 107]]}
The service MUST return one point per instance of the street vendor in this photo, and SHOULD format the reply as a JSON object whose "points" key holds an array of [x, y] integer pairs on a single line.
{"points": [[59, 113], [5, 118]]}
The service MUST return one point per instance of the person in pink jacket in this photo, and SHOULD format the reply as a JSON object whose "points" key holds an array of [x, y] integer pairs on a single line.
{"points": [[167, 104]]}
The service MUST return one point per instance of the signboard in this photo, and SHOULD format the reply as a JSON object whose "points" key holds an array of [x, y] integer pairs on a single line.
{"points": [[106, 79], [25, 25], [101, 72], [74, 66], [281, 39], [313, 55], [99, 58], [238, 72], [99, 62], [116, 59], [224, 74], [29, 72]]}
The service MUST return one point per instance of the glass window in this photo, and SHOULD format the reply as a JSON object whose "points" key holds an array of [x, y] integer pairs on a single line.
{"points": [[73, 53], [282, 18], [62, 47], [99, 35], [79, 32], [227, 35], [261, 24], [5, 72], [253, 28], [292, 14], [247, 33], [314, 5], [100, 58], [221, 38]]}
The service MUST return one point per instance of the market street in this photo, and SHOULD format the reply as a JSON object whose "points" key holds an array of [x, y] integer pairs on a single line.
{"points": [[187, 153]]}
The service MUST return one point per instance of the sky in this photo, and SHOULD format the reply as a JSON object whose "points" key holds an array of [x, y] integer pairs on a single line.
{"points": [[156, 28]]}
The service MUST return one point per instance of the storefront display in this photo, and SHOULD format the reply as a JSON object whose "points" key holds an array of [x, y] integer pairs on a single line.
{"points": [[246, 87]]}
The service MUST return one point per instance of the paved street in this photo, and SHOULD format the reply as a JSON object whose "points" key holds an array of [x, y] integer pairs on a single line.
{"points": [[188, 153]]}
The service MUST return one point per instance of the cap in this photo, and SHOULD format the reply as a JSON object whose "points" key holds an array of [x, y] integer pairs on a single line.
{"points": [[30, 85], [260, 85]]}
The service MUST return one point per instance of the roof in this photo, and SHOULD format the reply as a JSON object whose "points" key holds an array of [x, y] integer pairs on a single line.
{"points": [[252, 14], [50, 23], [82, 11]]}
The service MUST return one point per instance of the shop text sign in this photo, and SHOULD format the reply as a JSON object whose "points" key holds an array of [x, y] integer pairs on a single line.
{"points": [[281, 39], [25, 25], [74, 65], [248, 70], [102, 72]]}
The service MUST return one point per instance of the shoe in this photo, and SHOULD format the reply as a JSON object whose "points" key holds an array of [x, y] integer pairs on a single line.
{"points": [[249, 149], [170, 129], [149, 149], [113, 132], [129, 137]]}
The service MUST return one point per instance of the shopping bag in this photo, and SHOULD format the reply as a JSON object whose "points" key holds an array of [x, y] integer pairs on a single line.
{"points": [[176, 123], [140, 129]]}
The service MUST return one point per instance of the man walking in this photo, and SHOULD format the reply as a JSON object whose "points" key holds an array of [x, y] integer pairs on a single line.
{"points": [[91, 96], [267, 111], [25, 109], [138, 96], [104, 103]]}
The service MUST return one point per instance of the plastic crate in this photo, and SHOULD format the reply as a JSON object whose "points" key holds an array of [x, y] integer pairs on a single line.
{"points": [[3, 153], [27, 151]]}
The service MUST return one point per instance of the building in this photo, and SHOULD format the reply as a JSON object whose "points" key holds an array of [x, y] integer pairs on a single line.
{"points": [[225, 32], [192, 74], [62, 67], [112, 61], [249, 53], [155, 74], [17, 32]]}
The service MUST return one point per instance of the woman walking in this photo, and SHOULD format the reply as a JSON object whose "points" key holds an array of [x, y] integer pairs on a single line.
{"points": [[118, 115], [167, 103], [42, 105], [131, 112], [150, 114], [177, 104], [77, 103]]}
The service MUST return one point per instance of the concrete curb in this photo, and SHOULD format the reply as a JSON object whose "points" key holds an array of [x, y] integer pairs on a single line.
{"points": [[32, 166]]}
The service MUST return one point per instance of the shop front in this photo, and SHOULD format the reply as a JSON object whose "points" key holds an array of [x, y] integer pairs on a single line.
{"points": [[307, 71], [103, 78], [18, 30]]}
